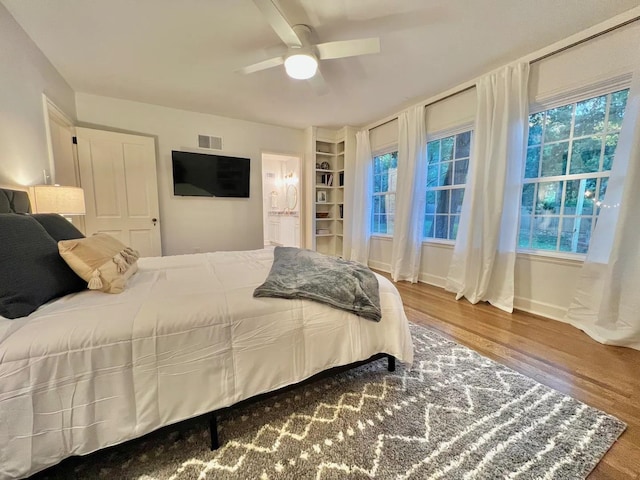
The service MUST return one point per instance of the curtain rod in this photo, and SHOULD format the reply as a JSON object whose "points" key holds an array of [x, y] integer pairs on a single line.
{"points": [[620, 21]]}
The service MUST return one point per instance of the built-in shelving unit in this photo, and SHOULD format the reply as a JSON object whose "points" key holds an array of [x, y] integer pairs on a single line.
{"points": [[328, 188]]}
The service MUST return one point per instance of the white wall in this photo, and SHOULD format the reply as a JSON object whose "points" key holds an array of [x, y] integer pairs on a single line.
{"points": [[544, 284], [190, 224], [25, 74]]}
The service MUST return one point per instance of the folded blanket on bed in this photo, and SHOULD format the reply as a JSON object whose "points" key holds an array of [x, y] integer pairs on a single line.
{"points": [[305, 274]]}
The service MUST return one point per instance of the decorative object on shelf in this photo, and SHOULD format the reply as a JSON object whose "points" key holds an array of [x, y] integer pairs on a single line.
{"points": [[321, 196], [322, 214], [325, 166], [318, 166], [341, 211]]}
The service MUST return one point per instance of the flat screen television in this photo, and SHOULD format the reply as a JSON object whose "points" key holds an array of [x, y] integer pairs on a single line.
{"points": [[205, 175]]}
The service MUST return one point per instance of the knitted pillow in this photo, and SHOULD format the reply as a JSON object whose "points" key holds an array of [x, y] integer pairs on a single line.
{"points": [[32, 271], [102, 260], [57, 226]]}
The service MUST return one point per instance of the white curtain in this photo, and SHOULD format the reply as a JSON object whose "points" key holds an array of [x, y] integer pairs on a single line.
{"points": [[606, 304], [362, 193], [483, 264], [410, 195]]}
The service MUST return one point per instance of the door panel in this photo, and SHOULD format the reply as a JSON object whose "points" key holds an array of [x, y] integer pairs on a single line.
{"points": [[118, 174]]}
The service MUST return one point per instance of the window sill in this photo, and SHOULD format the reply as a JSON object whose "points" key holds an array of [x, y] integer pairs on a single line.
{"points": [[382, 236], [574, 259], [436, 242]]}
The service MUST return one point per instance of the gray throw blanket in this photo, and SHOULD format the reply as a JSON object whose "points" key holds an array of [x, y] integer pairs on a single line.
{"points": [[305, 274]]}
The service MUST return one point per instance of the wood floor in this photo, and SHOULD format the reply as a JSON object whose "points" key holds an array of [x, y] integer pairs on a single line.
{"points": [[554, 353]]}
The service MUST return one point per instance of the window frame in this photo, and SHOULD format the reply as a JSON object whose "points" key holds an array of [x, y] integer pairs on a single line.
{"points": [[390, 148], [556, 100], [439, 135]]}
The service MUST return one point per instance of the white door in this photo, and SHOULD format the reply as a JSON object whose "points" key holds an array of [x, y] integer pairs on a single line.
{"points": [[118, 175]]}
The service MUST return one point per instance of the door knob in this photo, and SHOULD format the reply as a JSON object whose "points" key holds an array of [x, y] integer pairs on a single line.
{"points": [[154, 220]]}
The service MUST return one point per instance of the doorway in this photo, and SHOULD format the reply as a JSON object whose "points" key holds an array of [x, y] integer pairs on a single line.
{"points": [[281, 196]]}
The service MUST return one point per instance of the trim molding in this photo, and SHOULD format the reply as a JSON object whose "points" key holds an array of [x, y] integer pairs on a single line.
{"points": [[383, 267], [547, 310]]}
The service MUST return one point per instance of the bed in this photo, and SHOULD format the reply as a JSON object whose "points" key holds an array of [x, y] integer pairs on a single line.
{"points": [[185, 337]]}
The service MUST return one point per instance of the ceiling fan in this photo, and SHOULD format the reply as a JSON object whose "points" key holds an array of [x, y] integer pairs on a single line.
{"points": [[301, 59]]}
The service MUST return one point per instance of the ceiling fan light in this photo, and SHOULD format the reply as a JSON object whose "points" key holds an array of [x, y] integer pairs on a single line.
{"points": [[301, 66]]}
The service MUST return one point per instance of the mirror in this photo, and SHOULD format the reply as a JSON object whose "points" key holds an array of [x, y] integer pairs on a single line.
{"points": [[292, 197]]}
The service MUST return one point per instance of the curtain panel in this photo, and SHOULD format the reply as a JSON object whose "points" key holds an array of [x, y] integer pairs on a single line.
{"points": [[606, 303], [410, 195], [362, 196], [483, 263]]}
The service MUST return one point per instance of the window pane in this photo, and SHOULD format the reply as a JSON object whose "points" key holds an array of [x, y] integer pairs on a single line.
{"points": [[554, 159], [446, 174], [585, 155], [430, 206], [545, 233], [610, 144], [433, 152], [584, 235], [442, 226], [460, 175], [528, 191], [390, 204], [456, 200], [549, 198], [616, 110], [447, 149], [376, 223], [432, 176], [535, 128], [524, 235], [377, 183], [590, 116], [463, 143], [390, 220], [569, 226], [442, 201], [533, 162], [603, 188], [580, 196], [429, 225], [558, 125], [453, 226]]}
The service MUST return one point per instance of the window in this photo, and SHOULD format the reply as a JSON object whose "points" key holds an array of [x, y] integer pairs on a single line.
{"points": [[447, 166], [385, 174], [569, 156]]}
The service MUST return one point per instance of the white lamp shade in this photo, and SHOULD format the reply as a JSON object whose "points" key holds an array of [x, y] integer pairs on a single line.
{"points": [[57, 199], [301, 66]]}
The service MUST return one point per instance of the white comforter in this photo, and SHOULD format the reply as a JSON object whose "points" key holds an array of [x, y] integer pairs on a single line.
{"points": [[186, 337]]}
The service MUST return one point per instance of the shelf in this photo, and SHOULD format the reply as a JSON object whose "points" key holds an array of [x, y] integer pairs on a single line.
{"points": [[325, 234], [324, 170], [329, 218]]}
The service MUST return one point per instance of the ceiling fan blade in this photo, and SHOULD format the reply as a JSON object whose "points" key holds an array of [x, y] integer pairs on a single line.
{"points": [[256, 67], [319, 84], [348, 48], [278, 22]]}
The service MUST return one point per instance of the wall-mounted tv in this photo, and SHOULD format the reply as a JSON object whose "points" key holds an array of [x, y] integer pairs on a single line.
{"points": [[204, 175]]}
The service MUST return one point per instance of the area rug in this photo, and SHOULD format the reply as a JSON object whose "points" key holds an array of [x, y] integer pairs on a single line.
{"points": [[454, 415]]}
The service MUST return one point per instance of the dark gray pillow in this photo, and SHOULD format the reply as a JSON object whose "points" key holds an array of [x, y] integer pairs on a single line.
{"points": [[31, 269], [57, 226]]}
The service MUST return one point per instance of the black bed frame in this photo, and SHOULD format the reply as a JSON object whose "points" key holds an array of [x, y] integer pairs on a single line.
{"points": [[213, 416]]}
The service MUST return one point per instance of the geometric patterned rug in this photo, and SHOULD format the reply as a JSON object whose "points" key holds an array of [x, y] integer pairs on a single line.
{"points": [[454, 415]]}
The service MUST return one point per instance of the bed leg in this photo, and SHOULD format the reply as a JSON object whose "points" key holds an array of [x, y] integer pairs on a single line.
{"points": [[213, 430], [391, 363]]}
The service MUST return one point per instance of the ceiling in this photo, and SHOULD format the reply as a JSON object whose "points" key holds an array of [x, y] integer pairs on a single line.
{"points": [[185, 53]]}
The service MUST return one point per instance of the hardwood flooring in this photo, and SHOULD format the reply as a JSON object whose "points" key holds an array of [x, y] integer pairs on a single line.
{"points": [[554, 353]]}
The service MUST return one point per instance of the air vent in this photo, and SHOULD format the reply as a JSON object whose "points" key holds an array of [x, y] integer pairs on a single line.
{"points": [[212, 143], [270, 175]]}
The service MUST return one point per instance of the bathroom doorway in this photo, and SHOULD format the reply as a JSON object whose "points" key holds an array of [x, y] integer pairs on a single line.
{"points": [[281, 198]]}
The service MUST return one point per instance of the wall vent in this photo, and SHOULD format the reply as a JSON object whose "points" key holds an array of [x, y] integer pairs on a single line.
{"points": [[270, 175], [212, 143]]}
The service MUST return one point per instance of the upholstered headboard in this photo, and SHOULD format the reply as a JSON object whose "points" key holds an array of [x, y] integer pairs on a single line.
{"points": [[14, 201]]}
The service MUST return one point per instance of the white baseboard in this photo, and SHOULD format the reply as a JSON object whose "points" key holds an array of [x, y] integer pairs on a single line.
{"points": [[383, 267], [548, 310], [432, 280]]}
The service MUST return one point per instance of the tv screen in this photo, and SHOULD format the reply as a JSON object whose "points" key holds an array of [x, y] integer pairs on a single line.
{"points": [[204, 175]]}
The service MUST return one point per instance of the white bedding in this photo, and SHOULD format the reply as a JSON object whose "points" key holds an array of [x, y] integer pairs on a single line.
{"points": [[186, 337]]}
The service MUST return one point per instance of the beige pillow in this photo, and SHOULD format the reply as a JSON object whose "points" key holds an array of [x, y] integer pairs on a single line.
{"points": [[102, 260]]}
